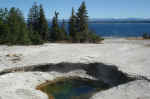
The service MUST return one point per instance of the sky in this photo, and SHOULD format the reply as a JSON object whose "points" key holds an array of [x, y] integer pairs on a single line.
{"points": [[96, 8]]}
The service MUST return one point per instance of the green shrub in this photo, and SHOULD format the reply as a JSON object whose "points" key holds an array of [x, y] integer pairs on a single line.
{"points": [[36, 39], [94, 38]]}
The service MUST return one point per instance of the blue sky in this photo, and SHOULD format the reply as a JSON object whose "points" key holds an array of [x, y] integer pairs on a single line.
{"points": [[96, 8]]}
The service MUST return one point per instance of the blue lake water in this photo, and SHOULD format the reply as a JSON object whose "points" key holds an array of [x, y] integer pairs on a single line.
{"points": [[119, 29]]}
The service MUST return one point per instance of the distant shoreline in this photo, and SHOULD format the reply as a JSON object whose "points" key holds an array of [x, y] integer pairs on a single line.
{"points": [[127, 38], [107, 21], [117, 22], [113, 22], [90, 21]]}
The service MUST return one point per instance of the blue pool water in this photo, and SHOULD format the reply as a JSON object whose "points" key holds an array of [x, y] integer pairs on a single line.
{"points": [[76, 88]]}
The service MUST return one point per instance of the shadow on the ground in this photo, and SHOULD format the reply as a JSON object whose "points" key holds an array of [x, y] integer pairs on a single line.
{"points": [[106, 73]]}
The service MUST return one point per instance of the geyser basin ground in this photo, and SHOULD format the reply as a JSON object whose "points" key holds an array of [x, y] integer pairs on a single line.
{"points": [[129, 56], [24, 84]]}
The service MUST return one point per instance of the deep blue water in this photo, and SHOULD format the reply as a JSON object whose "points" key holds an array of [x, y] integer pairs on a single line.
{"points": [[119, 29], [76, 88]]}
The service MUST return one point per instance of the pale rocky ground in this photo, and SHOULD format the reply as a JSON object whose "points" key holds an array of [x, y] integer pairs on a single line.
{"points": [[22, 85], [130, 56], [133, 90]]}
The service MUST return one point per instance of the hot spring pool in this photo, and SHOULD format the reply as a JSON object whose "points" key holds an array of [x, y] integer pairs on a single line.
{"points": [[73, 88]]}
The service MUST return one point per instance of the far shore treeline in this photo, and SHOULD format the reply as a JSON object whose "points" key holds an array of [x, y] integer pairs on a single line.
{"points": [[14, 30]]}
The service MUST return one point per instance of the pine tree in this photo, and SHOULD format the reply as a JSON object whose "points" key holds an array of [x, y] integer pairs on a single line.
{"points": [[43, 25], [18, 30], [23, 37], [33, 17], [34, 36], [82, 23], [55, 30], [37, 24], [73, 27], [4, 14], [4, 30], [13, 26], [63, 34]]}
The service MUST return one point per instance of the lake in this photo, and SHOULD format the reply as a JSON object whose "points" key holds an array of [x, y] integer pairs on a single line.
{"points": [[119, 29]]}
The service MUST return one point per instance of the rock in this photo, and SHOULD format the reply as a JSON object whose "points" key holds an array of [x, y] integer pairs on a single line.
{"points": [[130, 56], [138, 89], [22, 85]]}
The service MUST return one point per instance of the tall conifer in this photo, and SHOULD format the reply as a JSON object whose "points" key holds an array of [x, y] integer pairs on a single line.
{"points": [[43, 25], [55, 30], [73, 26], [33, 17], [18, 30], [37, 24], [4, 30], [63, 33], [82, 23]]}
